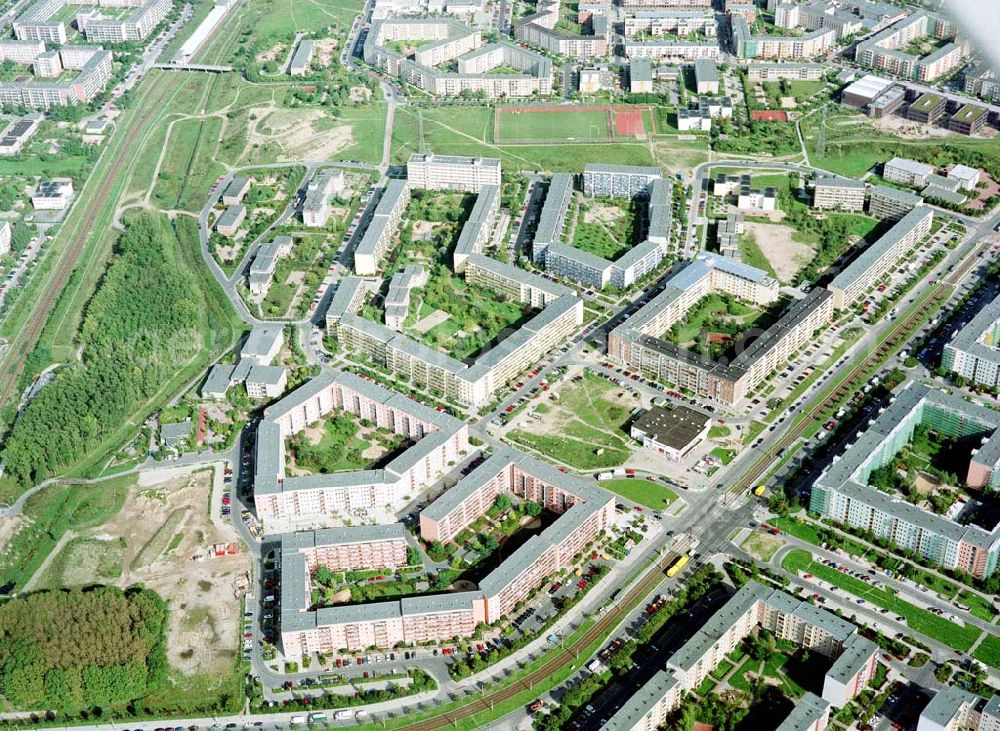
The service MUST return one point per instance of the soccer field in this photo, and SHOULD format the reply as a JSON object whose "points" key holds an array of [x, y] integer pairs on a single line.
{"points": [[556, 125]]}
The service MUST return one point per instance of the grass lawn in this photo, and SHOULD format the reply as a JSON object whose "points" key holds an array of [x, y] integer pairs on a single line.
{"points": [[596, 423], [753, 431], [608, 239], [751, 254], [762, 546], [989, 651], [978, 606], [919, 620], [806, 531], [723, 455], [712, 313], [569, 125], [719, 431], [188, 169], [651, 494], [51, 513]]}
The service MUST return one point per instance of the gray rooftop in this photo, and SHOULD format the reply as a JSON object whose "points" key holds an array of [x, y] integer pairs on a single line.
{"points": [[972, 338], [860, 267], [808, 709], [261, 341], [641, 702], [552, 217]]}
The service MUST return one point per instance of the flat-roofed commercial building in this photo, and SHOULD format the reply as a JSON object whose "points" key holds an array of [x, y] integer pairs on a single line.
{"points": [[843, 493], [452, 172], [673, 432], [968, 120], [381, 231], [885, 202], [836, 193], [706, 77], [851, 284], [927, 108], [974, 352], [640, 76]]}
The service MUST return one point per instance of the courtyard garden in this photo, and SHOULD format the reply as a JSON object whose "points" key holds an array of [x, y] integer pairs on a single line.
{"points": [[713, 325], [340, 443], [607, 227]]}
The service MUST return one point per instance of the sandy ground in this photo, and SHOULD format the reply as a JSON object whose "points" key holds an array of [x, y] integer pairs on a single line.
{"points": [[360, 94], [293, 130], [9, 528], [324, 50], [925, 485], [432, 320], [423, 229], [909, 130], [775, 242], [273, 53], [605, 214], [163, 527], [788, 102]]}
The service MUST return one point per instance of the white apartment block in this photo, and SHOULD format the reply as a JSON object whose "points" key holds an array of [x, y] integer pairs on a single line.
{"points": [[677, 22], [381, 231], [676, 51], [839, 194], [451, 172], [5, 231], [907, 172]]}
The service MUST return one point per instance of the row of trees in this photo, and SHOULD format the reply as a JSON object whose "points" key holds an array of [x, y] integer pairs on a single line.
{"points": [[142, 325], [67, 650]]}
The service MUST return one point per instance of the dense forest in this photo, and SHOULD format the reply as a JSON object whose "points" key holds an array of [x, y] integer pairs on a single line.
{"points": [[139, 329], [79, 648]]}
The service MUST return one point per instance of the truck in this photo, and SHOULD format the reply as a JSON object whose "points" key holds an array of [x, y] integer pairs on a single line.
{"points": [[759, 490], [317, 717]]}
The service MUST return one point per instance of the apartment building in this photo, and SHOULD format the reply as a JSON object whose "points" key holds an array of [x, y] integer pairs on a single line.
{"points": [[20, 52], [637, 341], [538, 29], [253, 369], [864, 272], [727, 235], [891, 203], [262, 267], [265, 382], [618, 181], [397, 299], [234, 191], [316, 206], [672, 51], [954, 709], [842, 492], [94, 65], [884, 51], [438, 439], [560, 316], [452, 172], [907, 172], [474, 64], [478, 228], [974, 351], [348, 299], [5, 237], [137, 26], [674, 22], [809, 45], [980, 80], [755, 607], [968, 177], [584, 510], [302, 58], [356, 548], [778, 71], [382, 226], [228, 222], [552, 218], [840, 194], [640, 76], [665, 4]]}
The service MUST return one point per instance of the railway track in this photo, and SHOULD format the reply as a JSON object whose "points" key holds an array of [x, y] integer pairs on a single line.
{"points": [[27, 337], [940, 294], [605, 624]]}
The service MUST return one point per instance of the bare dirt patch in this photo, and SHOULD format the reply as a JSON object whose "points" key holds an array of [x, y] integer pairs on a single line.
{"points": [[425, 229], [9, 528], [360, 94], [293, 130], [324, 50], [604, 214], [157, 536], [432, 320], [909, 130], [273, 53], [925, 485], [786, 256]]}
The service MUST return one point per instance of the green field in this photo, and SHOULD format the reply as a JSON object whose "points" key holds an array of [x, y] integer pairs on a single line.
{"points": [[187, 169], [563, 126], [989, 651], [919, 620], [645, 492]]}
